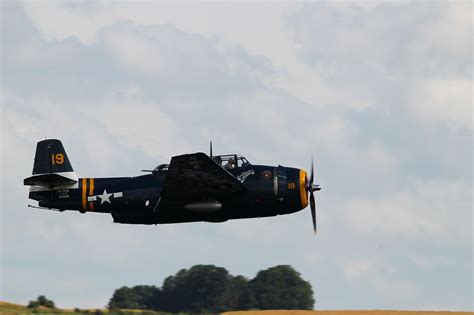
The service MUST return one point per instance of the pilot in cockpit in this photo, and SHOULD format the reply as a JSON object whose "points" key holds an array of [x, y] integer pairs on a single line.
{"points": [[230, 164]]}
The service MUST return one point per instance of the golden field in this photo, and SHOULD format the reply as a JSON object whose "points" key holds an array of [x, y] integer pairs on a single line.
{"points": [[371, 312], [11, 308]]}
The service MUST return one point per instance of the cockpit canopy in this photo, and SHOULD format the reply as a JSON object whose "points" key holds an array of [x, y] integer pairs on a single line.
{"points": [[231, 161], [227, 161]]}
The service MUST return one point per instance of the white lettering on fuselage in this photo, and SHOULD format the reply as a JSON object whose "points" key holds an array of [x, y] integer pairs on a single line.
{"points": [[242, 177]]}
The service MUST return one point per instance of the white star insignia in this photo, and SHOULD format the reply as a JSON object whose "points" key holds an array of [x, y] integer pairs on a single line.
{"points": [[105, 197]]}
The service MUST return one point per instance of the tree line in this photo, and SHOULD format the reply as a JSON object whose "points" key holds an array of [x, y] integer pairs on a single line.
{"points": [[208, 288]]}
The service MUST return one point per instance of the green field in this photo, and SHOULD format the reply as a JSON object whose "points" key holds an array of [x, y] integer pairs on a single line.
{"points": [[10, 308]]}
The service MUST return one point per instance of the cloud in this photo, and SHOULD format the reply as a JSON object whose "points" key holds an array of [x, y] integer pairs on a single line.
{"points": [[177, 61], [355, 269], [393, 56], [449, 101], [396, 289], [160, 61], [379, 276], [393, 39], [424, 213]]}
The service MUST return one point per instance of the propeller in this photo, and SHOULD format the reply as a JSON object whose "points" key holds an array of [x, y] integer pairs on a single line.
{"points": [[311, 188]]}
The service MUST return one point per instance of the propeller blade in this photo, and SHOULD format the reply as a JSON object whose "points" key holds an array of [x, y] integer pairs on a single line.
{"points": [[311, 176], [313, 210]]}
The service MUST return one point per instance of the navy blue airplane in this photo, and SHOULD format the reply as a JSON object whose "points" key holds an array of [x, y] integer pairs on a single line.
{"points": [[193, 187]]}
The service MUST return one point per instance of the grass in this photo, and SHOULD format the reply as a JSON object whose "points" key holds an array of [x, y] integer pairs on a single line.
{"points": [[11, 308]]}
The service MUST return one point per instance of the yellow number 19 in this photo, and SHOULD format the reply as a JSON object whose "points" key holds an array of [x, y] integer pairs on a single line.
{"points": [[57, 158]]}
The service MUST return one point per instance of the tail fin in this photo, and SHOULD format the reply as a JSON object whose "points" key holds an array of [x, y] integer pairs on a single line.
{"points": [[51, 166]]}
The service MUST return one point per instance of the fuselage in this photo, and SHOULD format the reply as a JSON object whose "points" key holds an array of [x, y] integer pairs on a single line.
{"points": [[270, 191]]}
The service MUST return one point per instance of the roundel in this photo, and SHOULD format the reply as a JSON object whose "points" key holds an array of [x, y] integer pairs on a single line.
{"points": [[266, 175]]}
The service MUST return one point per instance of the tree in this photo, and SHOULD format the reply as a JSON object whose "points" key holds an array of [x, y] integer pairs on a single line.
{"points": [[281, 287], [138, 297], [202, 288], [125, 298], [242, 296], [211, 289], [41, 301], [147, 296]]}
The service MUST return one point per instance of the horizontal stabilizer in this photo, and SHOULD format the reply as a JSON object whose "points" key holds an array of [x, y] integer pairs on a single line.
{"points": [[55, 179]]}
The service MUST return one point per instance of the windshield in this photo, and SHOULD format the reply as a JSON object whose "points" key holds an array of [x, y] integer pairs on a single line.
{"points": [[231, 161]]}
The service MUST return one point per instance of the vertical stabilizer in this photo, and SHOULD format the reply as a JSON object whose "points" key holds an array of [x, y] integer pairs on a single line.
{"points": [[51, 166], [51, 158]]}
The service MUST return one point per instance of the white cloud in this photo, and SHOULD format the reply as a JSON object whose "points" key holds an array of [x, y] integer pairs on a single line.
{"points": [[427, 212], [140, 125], [221, 22], [393, 56], [409, 39], [355, 269], [395, 289], [448, 101], [380, 276], [167, 54]]}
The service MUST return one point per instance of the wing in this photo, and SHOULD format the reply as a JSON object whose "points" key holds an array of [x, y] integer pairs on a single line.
{"points": [[197, 176]]}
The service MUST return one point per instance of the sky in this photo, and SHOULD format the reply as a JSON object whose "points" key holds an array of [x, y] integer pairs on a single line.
{"points": [[380, 93]]}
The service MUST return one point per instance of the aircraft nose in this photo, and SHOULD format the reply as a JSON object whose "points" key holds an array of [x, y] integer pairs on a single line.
{"points": [[306, 187], [303, 180]]}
